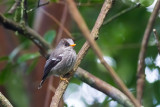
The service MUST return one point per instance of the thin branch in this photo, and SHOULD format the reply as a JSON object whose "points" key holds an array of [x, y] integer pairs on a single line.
{"points": [[141, 64], [48, 93], [58, 23], [62, 22], [157, 40], [121, 13], [82, 4], [106, 6], [14, 7], [83, 27], [24, 16], [58, 94], [4, 101], [104, 87], [27, 32], [39, 4]]}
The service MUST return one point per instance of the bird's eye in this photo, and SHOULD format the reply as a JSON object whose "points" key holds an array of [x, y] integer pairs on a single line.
{"points": [[66, 44]]}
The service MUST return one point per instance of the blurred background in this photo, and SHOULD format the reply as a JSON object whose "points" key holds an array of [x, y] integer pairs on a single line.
{"points": [[21, 65]]}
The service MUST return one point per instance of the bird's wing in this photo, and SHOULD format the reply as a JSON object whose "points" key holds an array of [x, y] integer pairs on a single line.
{"points": [[52, 63], [49, 65]]}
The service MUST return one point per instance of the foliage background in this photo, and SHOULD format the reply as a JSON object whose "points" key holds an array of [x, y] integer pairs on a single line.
{"points": [[21, 66]]}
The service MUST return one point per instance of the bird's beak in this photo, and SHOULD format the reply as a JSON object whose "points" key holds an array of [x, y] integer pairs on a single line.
{"points": [[73, 45]]}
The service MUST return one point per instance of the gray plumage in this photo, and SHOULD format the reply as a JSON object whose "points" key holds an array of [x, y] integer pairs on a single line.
{"points": [[61, 60]]}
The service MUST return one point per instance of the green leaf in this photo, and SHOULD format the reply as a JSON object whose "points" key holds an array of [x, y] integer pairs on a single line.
{"points": [[4, 74], [146, 3], [4, 58], [28, 56], [49, 36], [32, 66]]}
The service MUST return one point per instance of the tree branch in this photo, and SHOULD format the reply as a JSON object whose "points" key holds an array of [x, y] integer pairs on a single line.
{"points": [[39, 4], [103, 87], [121, 13], [62, 22], [14, 7], [141, 64], [27, 32], [58, 23], [157, 40], [24, 16], [4, 101], [83, 27]]}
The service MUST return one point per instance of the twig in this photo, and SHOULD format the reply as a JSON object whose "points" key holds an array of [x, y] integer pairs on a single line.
{"points": [[58, 23], [83, 27], [141, 65], [63, 20], [82, 4], [121, 13], [106, 6], [38, 6], [104, 87], [14, 7], [157, 40], [48, 93], [24, 12], [27, 32], [4, 101]]}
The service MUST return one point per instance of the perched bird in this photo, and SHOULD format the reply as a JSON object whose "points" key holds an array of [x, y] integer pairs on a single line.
{"points": [[61, 60]]}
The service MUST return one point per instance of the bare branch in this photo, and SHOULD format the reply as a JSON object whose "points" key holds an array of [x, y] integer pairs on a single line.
{"points": [[24, 16], [83, 27], [120, 13], [14, 7], [4, 101], [58, 23], [141, 64], [63, 20], [83, 4], [48, 93], [157, 40], [58, 94], [27, 32], [103, 87], [39, 4]]}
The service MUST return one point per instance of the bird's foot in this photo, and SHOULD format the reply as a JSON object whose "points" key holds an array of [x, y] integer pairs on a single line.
{"points": [[64, 79]]}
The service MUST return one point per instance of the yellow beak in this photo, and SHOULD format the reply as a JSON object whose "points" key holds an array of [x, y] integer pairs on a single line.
{"points": [[73, 45]]}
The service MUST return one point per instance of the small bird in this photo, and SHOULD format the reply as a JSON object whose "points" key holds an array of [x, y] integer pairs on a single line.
{"points": [[61, 60]]}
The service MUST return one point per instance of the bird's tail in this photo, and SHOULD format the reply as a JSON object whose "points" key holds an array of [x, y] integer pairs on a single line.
{"points": [[40, 85]]}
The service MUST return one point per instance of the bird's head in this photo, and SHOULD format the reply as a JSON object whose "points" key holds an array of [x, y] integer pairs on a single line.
{"points": [[66, 43]]}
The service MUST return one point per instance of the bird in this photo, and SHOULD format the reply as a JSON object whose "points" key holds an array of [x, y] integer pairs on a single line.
{"points": [[60, 61]]}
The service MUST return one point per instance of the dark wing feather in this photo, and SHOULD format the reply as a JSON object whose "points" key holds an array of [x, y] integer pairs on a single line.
{"points": [[48, 67]]}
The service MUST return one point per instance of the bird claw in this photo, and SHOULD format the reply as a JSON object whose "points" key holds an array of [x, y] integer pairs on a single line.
{"points": [[64, 79]]}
